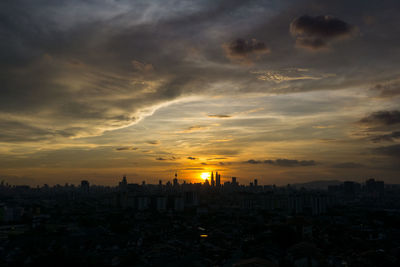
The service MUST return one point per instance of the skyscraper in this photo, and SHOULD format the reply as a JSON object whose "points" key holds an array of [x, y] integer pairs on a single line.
{"points": [[123, 184], [218, 180], [85, 186]]}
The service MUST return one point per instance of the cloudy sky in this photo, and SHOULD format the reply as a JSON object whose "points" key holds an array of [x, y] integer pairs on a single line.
{"points": [[282, 91]]}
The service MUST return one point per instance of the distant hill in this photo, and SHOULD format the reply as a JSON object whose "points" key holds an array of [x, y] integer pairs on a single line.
{"points": [[317, 184]]}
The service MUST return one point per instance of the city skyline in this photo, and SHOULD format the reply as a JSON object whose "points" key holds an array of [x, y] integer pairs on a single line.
{"points": [[282, 91]]}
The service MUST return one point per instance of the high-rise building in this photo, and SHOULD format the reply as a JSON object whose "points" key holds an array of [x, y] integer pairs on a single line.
{"points": [[255, 182], [218, 179], [85, 186], [234, 181], [212, 180], [123, 184]]}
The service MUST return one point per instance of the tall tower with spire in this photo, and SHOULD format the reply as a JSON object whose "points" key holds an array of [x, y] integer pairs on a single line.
{"points": [[123, 184], [218, 179], [212, 179]]}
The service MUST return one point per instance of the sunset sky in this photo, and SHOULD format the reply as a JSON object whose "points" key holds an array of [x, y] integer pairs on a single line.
{"points": [[282, 91]]}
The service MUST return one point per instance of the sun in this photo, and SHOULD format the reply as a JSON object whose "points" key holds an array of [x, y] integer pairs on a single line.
{"points": [[205, 175]]}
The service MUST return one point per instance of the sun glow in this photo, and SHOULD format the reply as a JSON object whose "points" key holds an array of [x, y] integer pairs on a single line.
{"points": [[205, 175]]}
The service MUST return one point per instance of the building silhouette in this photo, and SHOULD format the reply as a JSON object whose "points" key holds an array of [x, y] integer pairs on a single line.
{"points": [[85, 186]]}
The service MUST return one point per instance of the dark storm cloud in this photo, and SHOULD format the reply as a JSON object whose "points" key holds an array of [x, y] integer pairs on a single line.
{"points": [[393, 150], [387, 90], [320, 26], [384, 117], [84, 75], [12, 131], [80, 68], [283, 162], [386, 137], [381, 126], [241, 49], [317, 32], [252, 161], [347, 165]]}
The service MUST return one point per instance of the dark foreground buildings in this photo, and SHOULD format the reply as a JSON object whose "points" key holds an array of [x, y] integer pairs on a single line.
{"points": [[211, 224]]}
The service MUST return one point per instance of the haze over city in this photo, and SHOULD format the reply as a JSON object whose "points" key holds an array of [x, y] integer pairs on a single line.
{"points": [[282, 91]]}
